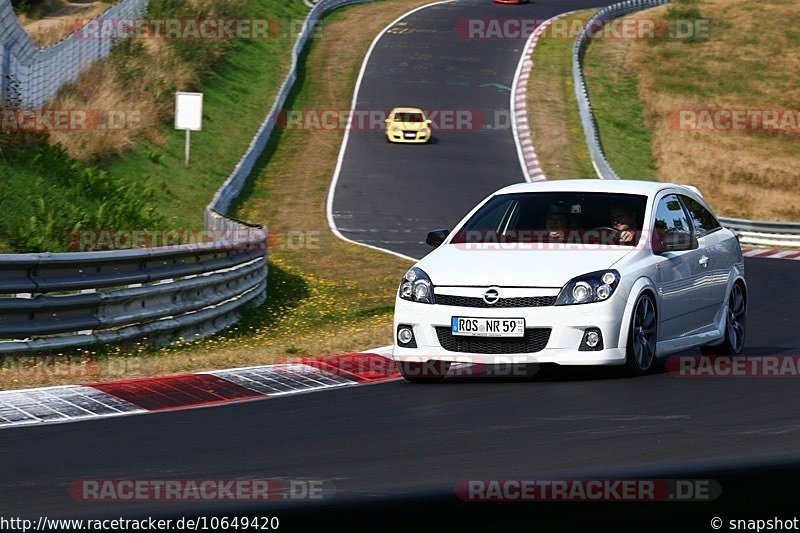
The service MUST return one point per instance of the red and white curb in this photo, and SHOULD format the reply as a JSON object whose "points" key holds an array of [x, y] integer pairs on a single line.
{"points": [[519, 108], [763, 253], [73, 403]]}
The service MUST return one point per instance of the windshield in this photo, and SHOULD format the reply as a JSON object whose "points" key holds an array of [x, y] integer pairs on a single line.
{"points": [[569, 217], [408, 117]]}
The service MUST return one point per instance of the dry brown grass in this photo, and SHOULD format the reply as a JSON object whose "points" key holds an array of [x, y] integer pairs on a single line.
{"points": [[350, 289], [145, 101], [138, 84], [751, 61], [58, 20]]}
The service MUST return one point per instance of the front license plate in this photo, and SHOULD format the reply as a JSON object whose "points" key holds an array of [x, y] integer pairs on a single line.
{"points": [[488, 327], [410, 135]]}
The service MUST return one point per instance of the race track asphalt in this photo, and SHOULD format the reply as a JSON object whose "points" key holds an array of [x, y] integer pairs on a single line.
{"points": [[396, 440], [399, 439], [391, 195]]}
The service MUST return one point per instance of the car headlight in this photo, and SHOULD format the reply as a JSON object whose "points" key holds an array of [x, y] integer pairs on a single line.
{"points": [[395, 129], [593, 287], [424, 131], [416, 286]]}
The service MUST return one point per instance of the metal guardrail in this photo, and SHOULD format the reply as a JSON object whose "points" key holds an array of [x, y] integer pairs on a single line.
{"points": [[595, 22], [233, 185], [751, 232], [764, 233], [61, 301], [87, 297]]}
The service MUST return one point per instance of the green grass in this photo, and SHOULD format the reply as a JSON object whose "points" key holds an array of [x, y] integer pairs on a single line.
{"points": [[45, 194], [333, 297], [556, 126], [625, 136], [236, 99]]}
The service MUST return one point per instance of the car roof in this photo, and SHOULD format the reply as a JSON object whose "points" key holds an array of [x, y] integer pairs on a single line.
{"points": [[647, 188], [406, 110]]}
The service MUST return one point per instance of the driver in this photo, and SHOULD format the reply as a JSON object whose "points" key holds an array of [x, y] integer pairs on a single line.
{"points": [[622, 220]]}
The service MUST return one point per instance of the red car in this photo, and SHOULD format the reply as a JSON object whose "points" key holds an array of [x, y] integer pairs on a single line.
{"points": [[511, 1]]}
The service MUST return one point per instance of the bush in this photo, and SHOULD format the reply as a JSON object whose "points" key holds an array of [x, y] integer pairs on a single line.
{"points": [[46, 195], [30, 7]]}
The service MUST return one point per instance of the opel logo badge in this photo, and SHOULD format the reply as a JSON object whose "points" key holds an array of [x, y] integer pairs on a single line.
{"points": [[491, 296]]}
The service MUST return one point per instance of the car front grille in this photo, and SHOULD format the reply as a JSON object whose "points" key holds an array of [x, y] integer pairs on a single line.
{"points": [[535, 340], [468, 301]]}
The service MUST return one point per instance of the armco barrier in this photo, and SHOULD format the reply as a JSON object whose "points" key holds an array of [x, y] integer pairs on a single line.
{"points": [[764, 233], [599, 161], [64, 301], [83, 298], [751, 232], [233, 185]]}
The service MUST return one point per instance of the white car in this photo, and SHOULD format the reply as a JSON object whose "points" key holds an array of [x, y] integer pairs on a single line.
{"points": [[574, 272]]}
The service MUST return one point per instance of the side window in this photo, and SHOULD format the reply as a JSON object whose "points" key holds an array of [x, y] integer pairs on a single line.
{"points": [[702, 219], [670, 216]]}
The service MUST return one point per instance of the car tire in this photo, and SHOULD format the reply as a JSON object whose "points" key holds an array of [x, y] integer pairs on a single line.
{"points": [[427, 372], [642, 337], [735, 325]]}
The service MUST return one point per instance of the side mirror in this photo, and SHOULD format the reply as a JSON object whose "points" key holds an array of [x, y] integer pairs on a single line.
{"points": [[677, 241], [428, 122], [387, 120], [437, 237]]}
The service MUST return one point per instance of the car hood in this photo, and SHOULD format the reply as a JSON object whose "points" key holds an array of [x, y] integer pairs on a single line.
{"points": [[454, 265]]}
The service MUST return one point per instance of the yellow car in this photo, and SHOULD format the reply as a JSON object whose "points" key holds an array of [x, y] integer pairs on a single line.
{"points": [[407, 125]]}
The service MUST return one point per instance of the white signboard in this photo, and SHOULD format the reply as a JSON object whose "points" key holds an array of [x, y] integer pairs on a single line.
{"points": [[188, 111]]}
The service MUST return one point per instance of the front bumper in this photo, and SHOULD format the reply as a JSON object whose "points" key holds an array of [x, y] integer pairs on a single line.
{"points": [[399, 137], [567, 325]]}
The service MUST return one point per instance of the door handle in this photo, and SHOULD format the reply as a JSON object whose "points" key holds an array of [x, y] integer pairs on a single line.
{"points": [[703, 261]]}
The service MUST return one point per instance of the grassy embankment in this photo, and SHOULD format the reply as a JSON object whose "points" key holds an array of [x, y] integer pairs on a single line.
{"points": [[325, 297], [734, 58]]}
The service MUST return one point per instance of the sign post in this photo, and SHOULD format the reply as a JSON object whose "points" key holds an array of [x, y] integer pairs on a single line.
{"points": [[188, 116]]}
